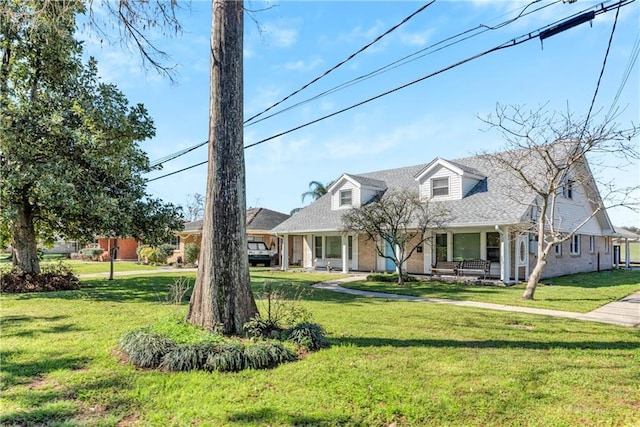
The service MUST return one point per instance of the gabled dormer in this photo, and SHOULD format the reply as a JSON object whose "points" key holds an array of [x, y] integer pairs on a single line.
{"points": [[352, 191], [445, 180]]}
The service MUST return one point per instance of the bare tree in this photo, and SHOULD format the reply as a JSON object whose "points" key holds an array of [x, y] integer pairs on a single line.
{"points": [[399, 219], [222, 297], [194, 206], [551, 156]]}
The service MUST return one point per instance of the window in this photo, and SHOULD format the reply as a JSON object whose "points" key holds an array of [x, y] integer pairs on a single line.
{"points": [[567, 189], [466, 246], [175, 242], [252, 238], [559, 249], [345, 198], [439, 187], [334, 246], [441, 247], [575, 245], [493, 247], [592, 244], [318, 247]]}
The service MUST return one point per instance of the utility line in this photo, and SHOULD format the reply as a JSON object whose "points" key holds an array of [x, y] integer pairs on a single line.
{"points": [[395, 64], [177, 154], [627, 72], [410, 58], [511, 43], [349, 58], [604, 64]]}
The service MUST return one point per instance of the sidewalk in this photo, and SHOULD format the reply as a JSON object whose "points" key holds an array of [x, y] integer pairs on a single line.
{"points": [[625, 312], [135, 273]]}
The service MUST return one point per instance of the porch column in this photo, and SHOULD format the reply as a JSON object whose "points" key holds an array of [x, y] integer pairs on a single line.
{"points": [[449, 246], [505, 254], [427, 251], [345, 253], [307, 258], [483, 245], [285, 252], [627, 259]]}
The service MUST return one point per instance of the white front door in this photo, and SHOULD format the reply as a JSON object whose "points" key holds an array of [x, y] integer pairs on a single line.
{"points": [[297, 250]]}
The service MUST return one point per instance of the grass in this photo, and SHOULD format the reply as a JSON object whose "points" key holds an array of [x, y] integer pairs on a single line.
{"points": [[579, 293], [391, 362]]}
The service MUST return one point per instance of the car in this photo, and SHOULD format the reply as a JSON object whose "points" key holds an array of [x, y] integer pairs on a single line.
{"points": [[259, 253]]}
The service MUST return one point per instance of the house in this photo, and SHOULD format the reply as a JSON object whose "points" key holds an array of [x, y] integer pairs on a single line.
{"points": [[127, 247], [260, 221], [490, 219]]}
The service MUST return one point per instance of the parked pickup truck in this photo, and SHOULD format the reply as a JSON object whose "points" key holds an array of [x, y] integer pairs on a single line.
{"points": [[259, 253]]}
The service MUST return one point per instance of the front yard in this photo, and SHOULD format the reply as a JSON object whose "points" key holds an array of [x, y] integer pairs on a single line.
{"points": [[391, 363], [579, 293]]}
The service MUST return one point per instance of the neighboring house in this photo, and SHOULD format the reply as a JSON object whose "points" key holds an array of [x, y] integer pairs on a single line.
{"points": [[127, 247], [259, 223], [485, 223]]}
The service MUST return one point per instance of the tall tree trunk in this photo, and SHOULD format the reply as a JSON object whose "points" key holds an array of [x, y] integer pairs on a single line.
{"points": [[222, 297], [25, 247]]}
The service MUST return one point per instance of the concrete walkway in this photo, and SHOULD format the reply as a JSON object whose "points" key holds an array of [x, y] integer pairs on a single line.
{"points": [[625, 312]]}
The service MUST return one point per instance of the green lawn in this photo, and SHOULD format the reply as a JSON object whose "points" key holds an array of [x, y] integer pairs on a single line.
{"points": [[579, 293], [391, 362]]}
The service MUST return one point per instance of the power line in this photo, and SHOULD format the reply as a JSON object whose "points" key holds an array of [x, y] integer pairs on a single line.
{"points": [[604, 64], [410, 58], [511, 43], [395, 64], [627, 72], [177, 154], [349, 58]]}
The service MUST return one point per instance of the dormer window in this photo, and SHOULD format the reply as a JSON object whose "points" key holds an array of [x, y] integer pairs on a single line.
{"points": [[567, 189], [439, 187], [345, 198]]}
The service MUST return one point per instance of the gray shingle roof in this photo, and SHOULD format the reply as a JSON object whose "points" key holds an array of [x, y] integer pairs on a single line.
{"points": [[257, 219], [368, 182], [486, 204]]}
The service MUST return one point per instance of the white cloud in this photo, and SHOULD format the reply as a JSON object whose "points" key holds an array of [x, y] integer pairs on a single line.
{"points": [[301, 65], [418, 38], [280, 37]]}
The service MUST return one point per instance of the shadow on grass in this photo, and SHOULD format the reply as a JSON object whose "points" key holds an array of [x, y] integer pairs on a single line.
{"points": [[62, 404], [24, 372], [496, 344], [19, 326], [270, 416]]}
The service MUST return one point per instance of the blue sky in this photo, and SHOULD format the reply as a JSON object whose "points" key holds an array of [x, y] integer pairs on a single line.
{"points": [[296, 41]]}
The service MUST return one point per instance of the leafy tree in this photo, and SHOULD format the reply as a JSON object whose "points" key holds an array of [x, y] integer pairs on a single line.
{"points": [[222, 297], [316, 190], [398, 219], [546, 154], [69, 158]]}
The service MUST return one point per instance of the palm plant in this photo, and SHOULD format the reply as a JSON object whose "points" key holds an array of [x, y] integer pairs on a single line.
{"points": [[316, 190]]}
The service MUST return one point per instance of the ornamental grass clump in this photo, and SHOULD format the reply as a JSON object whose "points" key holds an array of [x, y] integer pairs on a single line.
{"points": [[307, 336], [186, 357], [146, 349]]}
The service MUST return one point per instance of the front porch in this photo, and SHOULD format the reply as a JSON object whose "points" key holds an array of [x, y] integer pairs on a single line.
{"points": [[507, 252]]}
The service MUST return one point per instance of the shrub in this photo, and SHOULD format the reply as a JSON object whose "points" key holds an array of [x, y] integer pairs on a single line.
{"points": [[91, 253], [146, 349], [149, 254], [309, 336], [139, 252], [262, 328], [178, 290], [163, 252], [191, 252], [393, 277]]}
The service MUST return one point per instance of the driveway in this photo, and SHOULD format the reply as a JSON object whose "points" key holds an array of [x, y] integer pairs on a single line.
{"points": [[625, 312]]}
